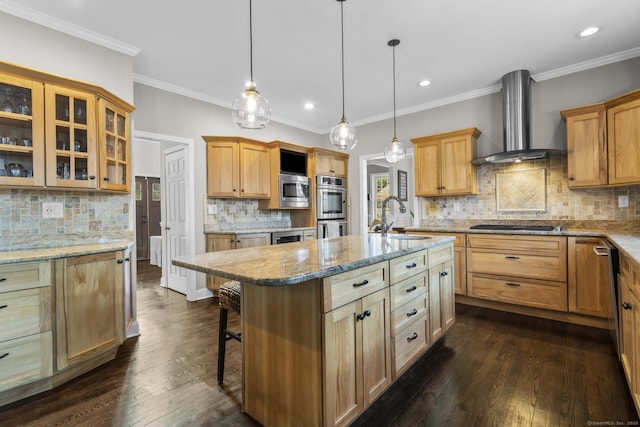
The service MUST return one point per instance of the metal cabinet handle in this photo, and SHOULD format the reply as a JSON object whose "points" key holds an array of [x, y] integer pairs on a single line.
{"points": [[3, 306], [364, 314], [512, 257], [512, 284], [444, 273], [411, 289], [412, 337], [412, 265], [597, 249], [412, 313], [572, 178], [92, 177], [4, 355], [167, 228], [3, 279], [627, 305], [364, 282]]}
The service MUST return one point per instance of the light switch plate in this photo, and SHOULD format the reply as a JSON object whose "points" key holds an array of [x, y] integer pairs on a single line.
{"points": [[52, 210], [623, 201], [212, 209]]}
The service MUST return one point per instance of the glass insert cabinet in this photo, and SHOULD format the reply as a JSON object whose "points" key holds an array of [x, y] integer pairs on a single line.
{"points": [[62, 134]]}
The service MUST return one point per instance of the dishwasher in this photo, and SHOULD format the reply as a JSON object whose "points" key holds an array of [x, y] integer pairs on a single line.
{"points": [[280, 237], [609, 250]]}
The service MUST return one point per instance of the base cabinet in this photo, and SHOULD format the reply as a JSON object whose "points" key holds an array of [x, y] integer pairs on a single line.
{"points": [[629, 316], [225, 242], [89, 304], [588, 277]]}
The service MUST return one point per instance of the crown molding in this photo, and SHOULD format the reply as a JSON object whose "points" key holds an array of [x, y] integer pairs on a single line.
{"points": [[48, 21]]}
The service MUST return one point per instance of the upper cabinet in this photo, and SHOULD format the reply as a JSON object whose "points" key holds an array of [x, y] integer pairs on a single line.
{"points": [[603, 142], [21, 132], [238, 167], [60, 133], [330, 162], [442, 163]]}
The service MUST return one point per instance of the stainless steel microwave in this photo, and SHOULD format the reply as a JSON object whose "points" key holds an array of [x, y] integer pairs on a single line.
{"points": [[294, 191]]}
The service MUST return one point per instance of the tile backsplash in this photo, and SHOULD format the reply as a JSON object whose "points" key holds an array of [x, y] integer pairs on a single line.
{"points": [[242, 215], [562, 204], [88, 217]]}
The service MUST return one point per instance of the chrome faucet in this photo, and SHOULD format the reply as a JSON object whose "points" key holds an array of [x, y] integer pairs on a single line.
{"points": [[384, 227]]}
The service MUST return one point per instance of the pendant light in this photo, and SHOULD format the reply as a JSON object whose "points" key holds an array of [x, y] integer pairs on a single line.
{"points": [[343, 136], [394, 152], [250, 110]]}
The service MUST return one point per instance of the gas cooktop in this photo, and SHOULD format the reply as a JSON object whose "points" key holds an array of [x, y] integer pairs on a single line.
{"points": [[512, 227]]}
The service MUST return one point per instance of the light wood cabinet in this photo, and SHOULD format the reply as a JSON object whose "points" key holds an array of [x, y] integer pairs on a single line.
{"points": [[60, 133], [225, 242], [623, 130], [26, 348], [442, 163], [71, 155], [588, 277], [330, 162], [441, 299], [629, 317], [518, 269], [586, 146], [357, 356], [89, 306], [602, 144], [238, 167], [459, 259]]}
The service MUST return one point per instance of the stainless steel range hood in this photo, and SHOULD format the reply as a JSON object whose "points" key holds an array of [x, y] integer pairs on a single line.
{"points": [[516, 123]]}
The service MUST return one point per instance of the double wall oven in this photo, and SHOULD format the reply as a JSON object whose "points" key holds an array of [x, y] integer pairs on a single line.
{"points": [[331, 206]]}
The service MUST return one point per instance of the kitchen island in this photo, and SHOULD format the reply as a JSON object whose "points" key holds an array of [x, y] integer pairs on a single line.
{"points": [[329, 324]]}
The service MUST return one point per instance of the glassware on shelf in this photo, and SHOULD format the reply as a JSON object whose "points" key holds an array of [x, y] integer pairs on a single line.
{"points": [[62, 108], [109, 120], [111, 146]]}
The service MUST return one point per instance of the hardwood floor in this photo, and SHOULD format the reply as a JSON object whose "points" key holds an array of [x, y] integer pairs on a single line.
{"points": [[493, 369]]}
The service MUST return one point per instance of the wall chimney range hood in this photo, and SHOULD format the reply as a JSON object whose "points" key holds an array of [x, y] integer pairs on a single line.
{"points": [[516, 123]]}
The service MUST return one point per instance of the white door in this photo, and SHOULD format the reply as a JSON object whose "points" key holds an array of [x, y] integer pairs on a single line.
{"points": [[175, 220]]}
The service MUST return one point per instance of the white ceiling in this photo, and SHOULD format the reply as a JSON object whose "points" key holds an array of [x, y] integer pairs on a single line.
{"points": [[201, 48]]}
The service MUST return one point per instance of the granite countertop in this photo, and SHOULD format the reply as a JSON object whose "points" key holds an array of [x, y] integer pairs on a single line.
{"points": [[43, 254], [258, 230], [301, 261], [627, 241]]}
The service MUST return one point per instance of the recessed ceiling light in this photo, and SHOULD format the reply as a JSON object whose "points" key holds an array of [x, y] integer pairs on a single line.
{"points": [[588, 31], [424, 83], [309, 105]]}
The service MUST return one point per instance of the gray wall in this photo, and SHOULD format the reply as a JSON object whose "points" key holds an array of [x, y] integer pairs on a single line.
{"points": [[485, 113]]}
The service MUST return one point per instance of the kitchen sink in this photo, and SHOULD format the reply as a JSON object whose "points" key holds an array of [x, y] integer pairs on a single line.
{"points": [[408, 237]]}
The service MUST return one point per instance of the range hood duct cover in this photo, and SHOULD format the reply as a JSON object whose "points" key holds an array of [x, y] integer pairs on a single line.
{"points": [[516, 123]]}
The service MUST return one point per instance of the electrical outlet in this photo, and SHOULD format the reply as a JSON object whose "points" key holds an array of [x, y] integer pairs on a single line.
{"points": [[623, 201], [52, 210], [456, 207], [212, 209]]}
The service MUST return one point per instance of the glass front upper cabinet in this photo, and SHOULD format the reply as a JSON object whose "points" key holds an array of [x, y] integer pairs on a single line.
{"points": [[114, 146], [70, 132], [21, 132]]}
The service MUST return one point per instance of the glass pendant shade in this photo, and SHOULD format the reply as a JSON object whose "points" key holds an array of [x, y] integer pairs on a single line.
{"points": [[343, 136], [394, 152], [250, 110]]}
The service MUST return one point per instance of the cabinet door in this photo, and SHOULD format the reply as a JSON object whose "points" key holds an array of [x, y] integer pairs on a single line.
{"points": [[376, 344], [458, 175], [627, 333], [114, 142], [324, 164], [435, 316], [89, 306], [588, 278], [340, 165], [253, 240], [21, 132], [447, 301], [343, 393], [426, 159], [460, 273], [214, 243], [623, 123], [71, 138], [587, 148], [255, 171], [223, 179]]}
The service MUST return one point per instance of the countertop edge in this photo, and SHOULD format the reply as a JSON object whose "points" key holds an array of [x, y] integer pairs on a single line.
{"points": [[50, 253]]}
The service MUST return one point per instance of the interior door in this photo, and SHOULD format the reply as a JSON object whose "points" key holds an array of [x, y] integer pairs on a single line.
{"points": [[142, 219], [175, 230]]}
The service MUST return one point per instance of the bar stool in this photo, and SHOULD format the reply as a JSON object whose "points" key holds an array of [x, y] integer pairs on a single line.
{"points": [[228, 299]]}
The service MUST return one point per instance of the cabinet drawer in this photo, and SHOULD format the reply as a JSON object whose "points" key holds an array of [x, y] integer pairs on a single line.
{"points": [[408, 289], [545, 266], [349, 286], [440, 254], [407, 266], [24, 275], [410, 343], [24, 360], [533, 293], [518, 242], [409, 312], [24, 313], [461, 238]]}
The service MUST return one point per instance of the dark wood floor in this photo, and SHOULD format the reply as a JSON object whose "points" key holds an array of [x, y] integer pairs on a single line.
{"points": [[493, 369]]}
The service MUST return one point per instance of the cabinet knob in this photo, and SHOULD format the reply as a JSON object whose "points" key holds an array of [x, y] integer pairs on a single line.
{"points": [[627, 305], [106, 178], [572, 178], [237, 241], [92, 177], [444, 273], [120, 261]]}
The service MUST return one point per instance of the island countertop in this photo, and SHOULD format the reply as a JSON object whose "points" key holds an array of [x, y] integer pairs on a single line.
{"points": [[298, 262]]}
